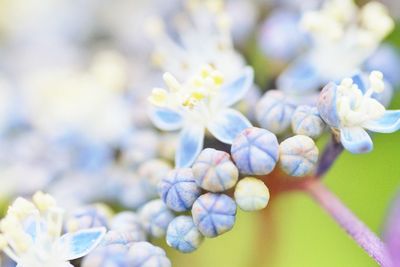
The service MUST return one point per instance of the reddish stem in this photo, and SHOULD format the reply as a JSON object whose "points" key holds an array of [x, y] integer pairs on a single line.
{"points": [[364, 237]]}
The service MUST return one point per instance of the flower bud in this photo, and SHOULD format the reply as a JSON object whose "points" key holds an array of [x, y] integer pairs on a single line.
{"points": [[155, 217], [255, 151], [298, 155], [214, 214], [306, 121], [214, 171], [183, 235], [251, 194], [142, 254], [178, 189]]}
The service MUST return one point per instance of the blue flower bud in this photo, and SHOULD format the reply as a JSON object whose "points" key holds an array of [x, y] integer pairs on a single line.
{"points": [[274, 111], [298, 155], [214, 214], [88, 217], [144, 254], [105, 256], [255, 151], [183, 235], [251, 194], [214, 171], [179, 190], [327, 107], [155, 217], [125, 238], [128, 221], [306, 121]]}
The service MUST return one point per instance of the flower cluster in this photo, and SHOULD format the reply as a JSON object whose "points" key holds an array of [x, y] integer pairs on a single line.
{"points": [[167, 128]]}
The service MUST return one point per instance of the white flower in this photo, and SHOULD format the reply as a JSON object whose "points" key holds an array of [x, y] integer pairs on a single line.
{"points": [[200, 103], [31, 234], [203, 38], [351, 107]]}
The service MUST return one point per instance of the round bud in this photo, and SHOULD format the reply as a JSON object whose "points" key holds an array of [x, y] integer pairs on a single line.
{"points": [[88, 217], [153, 171], [255, 151], [298, 155], [214, 214], [105, 256], [306, 121], [155, 217], [274, 112], [214, 171], [127, 238], [183, 235], [179, 190], [128, 222], [251, 194], [144, 254]]}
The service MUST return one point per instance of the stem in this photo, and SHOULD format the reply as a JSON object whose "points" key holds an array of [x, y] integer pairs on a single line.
{"points": [[364, 237], [331, 152]]}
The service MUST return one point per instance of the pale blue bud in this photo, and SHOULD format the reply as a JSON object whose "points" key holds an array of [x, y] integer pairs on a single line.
{"points": [[255, 151], [144, 254], [274, 111], [306, 121], [179, 190], [214, 171], [155, 217], [298, 155], [128, 221], [183, 235], [214, 214]]}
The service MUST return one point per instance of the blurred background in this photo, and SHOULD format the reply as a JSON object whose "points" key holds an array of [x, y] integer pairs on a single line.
{"points": [[74, 81]]}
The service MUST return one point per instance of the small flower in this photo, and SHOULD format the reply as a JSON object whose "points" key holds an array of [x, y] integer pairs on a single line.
{"points": [[142, 254], [214, 214], [343, 37], [255, 151], [178, 189], [183, 235], [306, 121], [251, 194], [349, 108], [298, 155], [214, 171], [155, 217], [31, 234], [201, 103]]}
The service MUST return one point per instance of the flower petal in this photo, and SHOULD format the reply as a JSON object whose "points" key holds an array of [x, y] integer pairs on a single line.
{"points": [[190, 144], [389, 123], [299, 78], [235, 90], [80, 243], [166, 119], [356, 140], [228, 124]]}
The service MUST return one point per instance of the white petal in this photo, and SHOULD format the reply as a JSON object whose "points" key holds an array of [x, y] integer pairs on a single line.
{"points": [[228, 124], [80, 243], [388, 123], [356, 140], [190, 144], [235, 90], [166, 119]]}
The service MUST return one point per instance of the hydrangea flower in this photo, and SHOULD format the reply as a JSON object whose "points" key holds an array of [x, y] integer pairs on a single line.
{"points": [[31, 234], [203, 38], [343, 37], [201, 103], [350, 109]]}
